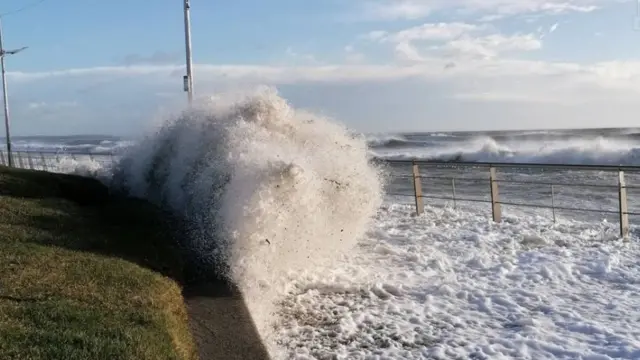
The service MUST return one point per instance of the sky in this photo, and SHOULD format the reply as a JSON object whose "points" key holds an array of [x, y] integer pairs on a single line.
{"points": [[114, 67]]}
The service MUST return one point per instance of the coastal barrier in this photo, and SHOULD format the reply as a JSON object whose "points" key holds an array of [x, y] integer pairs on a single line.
{"points": [[492, 177], [455, 182], [54, 161]]}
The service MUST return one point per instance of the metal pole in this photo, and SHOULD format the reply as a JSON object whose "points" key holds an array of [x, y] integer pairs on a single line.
{"points": [[453, 189], [188, 80], [623, 207], [553, 204], [496, 209], [5, 99], [417, 190]]}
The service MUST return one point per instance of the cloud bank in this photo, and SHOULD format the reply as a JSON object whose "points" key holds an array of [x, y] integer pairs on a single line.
{"points": [[469, 73]]}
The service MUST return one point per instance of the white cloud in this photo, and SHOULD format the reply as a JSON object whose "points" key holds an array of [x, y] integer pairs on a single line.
{"points": [[352, 56], [374, 35], [492, 45], [491, 17], [433, 93], [454, 40], [604, 75], [542, 33], [300, 58], [489, 10], [158, 57], [47, 106], [406, 52], [398, 9], [226, 73], [430, 31], [493, 96]]}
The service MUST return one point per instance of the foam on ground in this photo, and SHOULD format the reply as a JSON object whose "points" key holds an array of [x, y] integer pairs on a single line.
{"points": [[452, 284]]}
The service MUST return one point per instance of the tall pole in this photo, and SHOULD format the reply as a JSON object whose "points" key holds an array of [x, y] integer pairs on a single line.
{"points": [[5, 99], [5, 94], [188, 80]]}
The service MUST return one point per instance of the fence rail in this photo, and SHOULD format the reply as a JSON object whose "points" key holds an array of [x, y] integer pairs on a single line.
{"points": [[493, 183], [51, 161], [443, 164]]}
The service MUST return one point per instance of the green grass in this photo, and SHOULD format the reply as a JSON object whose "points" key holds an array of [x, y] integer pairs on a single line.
{"points": [[85, 274]]}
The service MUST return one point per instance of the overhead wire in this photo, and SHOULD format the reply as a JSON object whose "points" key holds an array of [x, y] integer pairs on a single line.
{"points": [[25, 7]]}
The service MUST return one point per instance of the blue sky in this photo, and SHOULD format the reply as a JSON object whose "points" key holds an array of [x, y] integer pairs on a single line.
{"points": [[115, 66]]}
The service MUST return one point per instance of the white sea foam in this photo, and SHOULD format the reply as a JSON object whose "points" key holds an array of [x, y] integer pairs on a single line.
{"points": [[268, 189], [453, 285]]}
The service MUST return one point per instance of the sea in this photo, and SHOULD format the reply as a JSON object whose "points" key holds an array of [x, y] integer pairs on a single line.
{"points": [[350, 270], [607, 146]]}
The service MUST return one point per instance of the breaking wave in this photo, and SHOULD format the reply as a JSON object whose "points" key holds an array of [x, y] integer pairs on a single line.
{"points": [[598, 150], [404, 141], [266, 189]]}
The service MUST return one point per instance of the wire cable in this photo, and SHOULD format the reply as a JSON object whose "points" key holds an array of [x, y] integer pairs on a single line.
{"points": [[26, 7]]}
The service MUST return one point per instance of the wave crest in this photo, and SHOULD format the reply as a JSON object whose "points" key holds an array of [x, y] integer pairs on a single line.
{"points": [[597, 150]]}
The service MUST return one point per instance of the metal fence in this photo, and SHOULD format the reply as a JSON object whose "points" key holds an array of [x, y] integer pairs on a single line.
{"points": [[454, 182], [492, 177], [54, 161]]}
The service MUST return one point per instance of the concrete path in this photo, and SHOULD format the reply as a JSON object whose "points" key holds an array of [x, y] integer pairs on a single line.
{"points": [[221, 324]]}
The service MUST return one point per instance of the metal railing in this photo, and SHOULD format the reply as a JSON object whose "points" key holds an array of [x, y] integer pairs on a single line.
{"points": [[51, 160], [438, 171], [493, 182]]}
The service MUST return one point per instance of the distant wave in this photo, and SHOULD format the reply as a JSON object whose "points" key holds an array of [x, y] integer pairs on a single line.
{"points": [[385, 140], [71, 146], [597, 150], [405, 141]]}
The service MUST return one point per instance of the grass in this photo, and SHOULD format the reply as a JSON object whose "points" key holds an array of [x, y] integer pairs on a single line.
{"points": [[85, 274]]}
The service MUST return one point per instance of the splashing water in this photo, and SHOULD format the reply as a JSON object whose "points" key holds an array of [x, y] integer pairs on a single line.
{"points": [[266, 189]]}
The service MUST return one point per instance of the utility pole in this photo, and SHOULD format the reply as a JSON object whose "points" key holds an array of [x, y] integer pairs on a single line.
{"points": [[188, 79], [5, 95]]}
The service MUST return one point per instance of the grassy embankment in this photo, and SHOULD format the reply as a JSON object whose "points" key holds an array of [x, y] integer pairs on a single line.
{"points": [[85, 274]]}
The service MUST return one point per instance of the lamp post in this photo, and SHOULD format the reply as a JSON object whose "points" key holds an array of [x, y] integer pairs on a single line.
{"points": [[5, 95], [188, 79]]}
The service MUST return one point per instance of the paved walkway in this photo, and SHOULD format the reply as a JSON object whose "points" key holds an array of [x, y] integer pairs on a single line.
{"points": [[221, 324]]}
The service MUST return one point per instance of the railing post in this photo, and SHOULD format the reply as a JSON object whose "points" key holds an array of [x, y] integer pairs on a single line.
{"points": [[20, 162], [553, 204], [44, 162], [29, 160], [417, 189], [2, 158], [622, 204], [453, 190], [496, 211]]}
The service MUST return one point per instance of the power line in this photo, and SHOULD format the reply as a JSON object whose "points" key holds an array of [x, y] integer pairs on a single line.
{"points": [[28, 6]]}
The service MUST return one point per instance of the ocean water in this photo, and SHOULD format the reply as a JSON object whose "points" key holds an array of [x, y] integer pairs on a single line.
{"points": [[334, 263], [586, 146]]}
